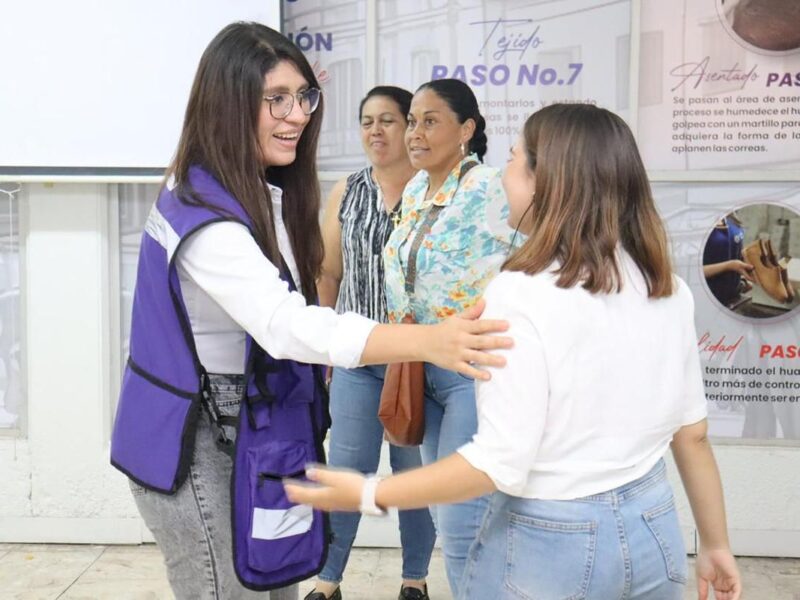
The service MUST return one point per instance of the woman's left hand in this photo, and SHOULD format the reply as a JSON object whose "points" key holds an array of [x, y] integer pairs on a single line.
{"points": [[461, 342], [334, 489]]}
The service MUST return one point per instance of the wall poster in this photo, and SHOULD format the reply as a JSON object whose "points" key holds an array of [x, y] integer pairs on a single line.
{"points": [[719, 84], [718, 88], [517, 55], [333, 36], [734, 244]]}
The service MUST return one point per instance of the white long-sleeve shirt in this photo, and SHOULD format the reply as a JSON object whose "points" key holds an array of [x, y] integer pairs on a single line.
{"points": [[229, 287], [594, 388]]}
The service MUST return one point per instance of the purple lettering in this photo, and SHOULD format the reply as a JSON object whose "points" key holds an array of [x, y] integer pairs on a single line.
{"points": [[439, 72]]}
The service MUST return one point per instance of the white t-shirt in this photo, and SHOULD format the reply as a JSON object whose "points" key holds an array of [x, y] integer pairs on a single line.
{"points": [[594, 388], [229, 287]]}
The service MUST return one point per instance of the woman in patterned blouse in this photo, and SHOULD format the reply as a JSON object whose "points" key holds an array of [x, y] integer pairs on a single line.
{"points": [[358, 220], [450, 242]]}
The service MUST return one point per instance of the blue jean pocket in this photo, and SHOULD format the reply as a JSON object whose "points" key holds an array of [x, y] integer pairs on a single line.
{"points": [[549, 560], [663, 524]]}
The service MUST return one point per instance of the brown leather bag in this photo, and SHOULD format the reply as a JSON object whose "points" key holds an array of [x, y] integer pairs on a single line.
{"points": [[402, 408]]}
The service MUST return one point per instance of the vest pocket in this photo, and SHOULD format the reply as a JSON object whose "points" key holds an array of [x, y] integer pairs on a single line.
{"points": [[154, 431], [281, 533], [285, 382]]}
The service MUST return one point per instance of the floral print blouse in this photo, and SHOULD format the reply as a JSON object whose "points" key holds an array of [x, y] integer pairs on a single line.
{"points": [[464, 250]]}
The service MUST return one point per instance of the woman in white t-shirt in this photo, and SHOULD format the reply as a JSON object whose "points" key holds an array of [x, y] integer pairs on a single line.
{"points": [[604, 375]]}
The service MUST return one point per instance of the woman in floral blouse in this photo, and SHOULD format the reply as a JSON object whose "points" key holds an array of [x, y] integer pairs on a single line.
{"points": [[449, 244]]}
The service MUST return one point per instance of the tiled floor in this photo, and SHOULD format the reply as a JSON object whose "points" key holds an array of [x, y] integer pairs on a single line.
{"points": [[47, 572]]}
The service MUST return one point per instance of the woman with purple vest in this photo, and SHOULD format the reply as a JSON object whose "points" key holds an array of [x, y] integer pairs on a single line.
{"points": [[226, 280]]}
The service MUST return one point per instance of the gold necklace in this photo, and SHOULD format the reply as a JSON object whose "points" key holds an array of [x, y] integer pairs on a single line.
{"points": [[394, 213]]}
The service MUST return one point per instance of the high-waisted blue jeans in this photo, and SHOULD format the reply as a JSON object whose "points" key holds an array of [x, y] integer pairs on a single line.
{"points": [[450, 422], [624, 544], [355, 442]]}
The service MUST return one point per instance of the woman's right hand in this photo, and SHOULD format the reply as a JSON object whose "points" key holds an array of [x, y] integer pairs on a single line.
{"points": [[718, 568], [460, 342], [742, 268], [737, 266]]}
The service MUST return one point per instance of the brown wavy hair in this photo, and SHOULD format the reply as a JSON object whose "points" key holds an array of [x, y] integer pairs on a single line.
{"points": [[220, 134], [592, 195]]}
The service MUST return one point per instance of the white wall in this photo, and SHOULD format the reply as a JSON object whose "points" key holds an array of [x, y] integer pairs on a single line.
{"points": [[84, 75], [57, 483]]}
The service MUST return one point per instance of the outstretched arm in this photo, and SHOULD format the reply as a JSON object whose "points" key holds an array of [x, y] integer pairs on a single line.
{"points": [[499, 455], [449, 480], [225, 262], [457, 343]]}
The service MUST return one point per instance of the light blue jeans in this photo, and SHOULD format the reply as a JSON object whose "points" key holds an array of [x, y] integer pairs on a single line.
{"points": [[624, 544], [450, 422], [355, 442]]}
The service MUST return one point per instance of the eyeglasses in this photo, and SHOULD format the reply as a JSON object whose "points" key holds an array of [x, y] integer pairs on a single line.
{"points": [[280, 105]]}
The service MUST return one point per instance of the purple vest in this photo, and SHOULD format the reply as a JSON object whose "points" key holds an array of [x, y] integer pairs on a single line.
{"points": [[283, 415]]}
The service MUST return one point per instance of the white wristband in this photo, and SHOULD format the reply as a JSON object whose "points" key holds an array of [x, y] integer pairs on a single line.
{"points": [[368, 506]]}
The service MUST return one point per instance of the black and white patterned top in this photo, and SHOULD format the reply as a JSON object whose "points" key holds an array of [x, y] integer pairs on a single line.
{"points": [[366, 225]]}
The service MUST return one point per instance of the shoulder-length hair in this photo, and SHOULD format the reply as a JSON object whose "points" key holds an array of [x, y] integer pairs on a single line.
{"points": [[220, 134], [592, 196]]}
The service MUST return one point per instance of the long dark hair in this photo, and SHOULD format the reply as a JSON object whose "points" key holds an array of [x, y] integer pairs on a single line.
{"points": [[462, 101], [592, 194], [220, 134]]}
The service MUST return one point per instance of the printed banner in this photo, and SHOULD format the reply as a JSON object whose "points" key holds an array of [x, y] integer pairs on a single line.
{"points": [[720, 84], [333, 36], [719, 88], [516, 55], [735, 244]]}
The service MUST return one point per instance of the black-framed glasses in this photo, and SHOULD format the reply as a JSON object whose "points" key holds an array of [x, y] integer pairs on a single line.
{"points": [[280, 105]]}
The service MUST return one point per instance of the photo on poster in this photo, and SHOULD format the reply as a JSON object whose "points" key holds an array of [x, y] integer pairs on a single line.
{"points": [[747, 263], [750, 362], [719, 85], [763, 25]]}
